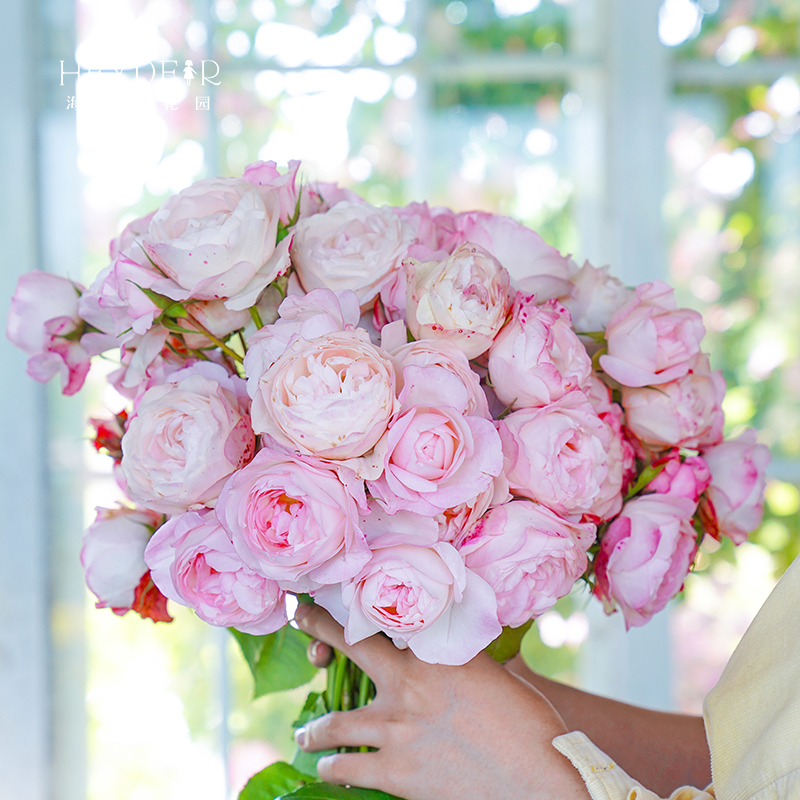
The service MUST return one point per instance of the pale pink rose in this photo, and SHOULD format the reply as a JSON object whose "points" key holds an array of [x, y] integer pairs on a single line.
{"points": [[309, 316], [558, 454], [295, 519], [599, 395], [528, 555], [216, 318], [318, 197], [736, 493], [686, 412], [217, 240], [621, 467], [437, 457], [685, 477], [448, 356], [126, 242], [43, 321], [419, 594], [534, 266], [331, 396], [186, 437], [193, 562], [595, 298], [537, 358], [353, 246], [645, 556], [463, 299], [112, 555], [435, 229], [650, 340], [272, 185], [456, 521], [118, 293], [145, 361]]}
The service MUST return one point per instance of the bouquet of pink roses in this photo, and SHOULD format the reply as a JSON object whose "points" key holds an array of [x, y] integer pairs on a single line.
{"points": [[431, 423]]}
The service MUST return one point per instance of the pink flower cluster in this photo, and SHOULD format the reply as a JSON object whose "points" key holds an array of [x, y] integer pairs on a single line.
{"points": [[430, 422]]}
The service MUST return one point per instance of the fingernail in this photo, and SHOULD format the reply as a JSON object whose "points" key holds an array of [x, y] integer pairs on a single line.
{"points": [[313, 649], [300, 736], [301, 613]]}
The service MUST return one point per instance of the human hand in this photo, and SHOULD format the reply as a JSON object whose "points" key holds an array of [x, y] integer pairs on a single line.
{"points": [[441, 732]]}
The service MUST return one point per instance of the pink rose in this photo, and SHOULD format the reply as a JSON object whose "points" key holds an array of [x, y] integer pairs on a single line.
{"points": [[463, 299], [193, 562], [650, 340], [318, 197], [295, 519], [112, 555], [127, 239], [736, 493], [331, 396], [418, 592], [454, 522], [217, 240], [621, 467], [529, 555], [353, 246], [317, 313], [435, 229], [687, 477], [437, 457], [43, 321], [595, 298], [275, 187], [534, 266], [537, 358], [558, 454], [446, 355], [186, 437], [686, 412], [645, 555]]}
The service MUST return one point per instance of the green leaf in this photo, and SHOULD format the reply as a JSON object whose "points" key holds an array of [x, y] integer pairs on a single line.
{"points": [[160, 300], [314, 707], [176, 310], [173, 326], [307, 762], [507, 644], [276, 780], [647, 475], [330, 791], [278, 661]]}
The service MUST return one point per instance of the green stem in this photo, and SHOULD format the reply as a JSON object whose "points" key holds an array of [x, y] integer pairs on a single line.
{"points": [[256, 317], [364, 690], [217, 341]]}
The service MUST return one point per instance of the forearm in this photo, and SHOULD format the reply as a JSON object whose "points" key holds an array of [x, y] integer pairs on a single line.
{"points": [[663, 751]]}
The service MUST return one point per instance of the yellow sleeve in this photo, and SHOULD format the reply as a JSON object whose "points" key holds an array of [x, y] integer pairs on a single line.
{"points": [[607, 781]]}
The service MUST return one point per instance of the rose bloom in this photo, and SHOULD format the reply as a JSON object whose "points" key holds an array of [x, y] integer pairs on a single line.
{"points": [[736, 494], [537, 358], [558, 454], [417, 591], [353, 246], [43, 313], [186, 437], [446, 355], [621, 467], [437, 457], [332, 396], [687, 477], [686, 412], [454, 522], [529, 555], [535, 267], [650, 340], [308, 316], [274, 186], [112, 555], [463, 299], [216, 240], [645, 555], [193, 562], [295, 519], [595, 298]]}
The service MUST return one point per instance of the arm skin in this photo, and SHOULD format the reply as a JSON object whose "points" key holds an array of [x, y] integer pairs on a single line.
{"points": [[662, 751], [475, 731]]}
